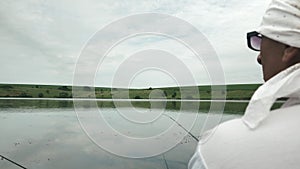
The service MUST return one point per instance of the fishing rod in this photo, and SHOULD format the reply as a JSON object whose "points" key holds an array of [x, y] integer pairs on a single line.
{"points": [[182, 127], [2, 157], [184, 130]]}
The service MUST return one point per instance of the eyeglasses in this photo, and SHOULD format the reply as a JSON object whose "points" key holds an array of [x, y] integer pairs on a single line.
{"points": [[254, 40]]}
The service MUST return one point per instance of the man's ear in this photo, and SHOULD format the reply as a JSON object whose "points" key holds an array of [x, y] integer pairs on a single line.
{"points": [[290, 54]]}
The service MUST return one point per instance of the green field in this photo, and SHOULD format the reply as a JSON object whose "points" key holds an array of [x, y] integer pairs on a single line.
{"points": [[233, 92], [205, 93]]}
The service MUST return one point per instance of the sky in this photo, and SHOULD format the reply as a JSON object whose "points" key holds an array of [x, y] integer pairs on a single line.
{"points": [[42, 41]]}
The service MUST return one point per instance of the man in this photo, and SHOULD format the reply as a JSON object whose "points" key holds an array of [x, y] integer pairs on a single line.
{"points": [[264, 138]]}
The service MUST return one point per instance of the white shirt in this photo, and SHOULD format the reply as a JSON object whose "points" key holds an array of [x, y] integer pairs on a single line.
{"points": [[261, 139]]}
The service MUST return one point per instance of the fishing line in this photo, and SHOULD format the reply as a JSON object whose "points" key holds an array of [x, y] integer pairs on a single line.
{"points": [[182, 127], [2, 157], [167, 166]]}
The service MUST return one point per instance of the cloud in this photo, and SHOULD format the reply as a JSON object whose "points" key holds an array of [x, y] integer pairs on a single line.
{"points": [[41, 40]]}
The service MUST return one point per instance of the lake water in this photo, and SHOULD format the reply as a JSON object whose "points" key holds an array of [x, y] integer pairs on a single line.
{"points": [[52, 138]]}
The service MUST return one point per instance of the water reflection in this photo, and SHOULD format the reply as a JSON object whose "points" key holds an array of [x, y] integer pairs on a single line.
{"points": [[52, 138], [231, 106]]}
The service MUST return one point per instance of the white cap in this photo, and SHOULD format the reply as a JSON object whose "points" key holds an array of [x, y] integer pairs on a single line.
{"points": [[281, 22]]}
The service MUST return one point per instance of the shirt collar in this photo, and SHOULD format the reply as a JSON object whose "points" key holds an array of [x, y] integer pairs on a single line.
{"points": [[284, 84]]}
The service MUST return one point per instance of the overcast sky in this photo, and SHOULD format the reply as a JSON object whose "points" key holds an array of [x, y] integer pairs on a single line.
{"points": [[42, 40]]}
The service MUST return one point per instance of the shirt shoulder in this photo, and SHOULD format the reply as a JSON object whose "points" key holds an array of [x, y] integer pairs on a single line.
{"points": [[274, 144]]}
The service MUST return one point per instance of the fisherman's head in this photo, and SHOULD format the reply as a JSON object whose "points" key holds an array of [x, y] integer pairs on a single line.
{"points": [[278, 37]]}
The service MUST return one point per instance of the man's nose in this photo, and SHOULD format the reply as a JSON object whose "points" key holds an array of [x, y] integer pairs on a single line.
{"points": [[259, 58]]}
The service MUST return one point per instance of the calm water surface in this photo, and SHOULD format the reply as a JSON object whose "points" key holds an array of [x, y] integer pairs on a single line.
{"points": [[52, 139]]}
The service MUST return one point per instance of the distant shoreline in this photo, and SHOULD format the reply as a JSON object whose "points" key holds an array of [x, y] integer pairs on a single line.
{"points": [[232, 92], [121, 100], [233, 100]]}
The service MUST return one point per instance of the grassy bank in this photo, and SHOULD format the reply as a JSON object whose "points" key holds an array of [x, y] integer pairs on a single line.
{"points": [[232, 92], [236, 92]]}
